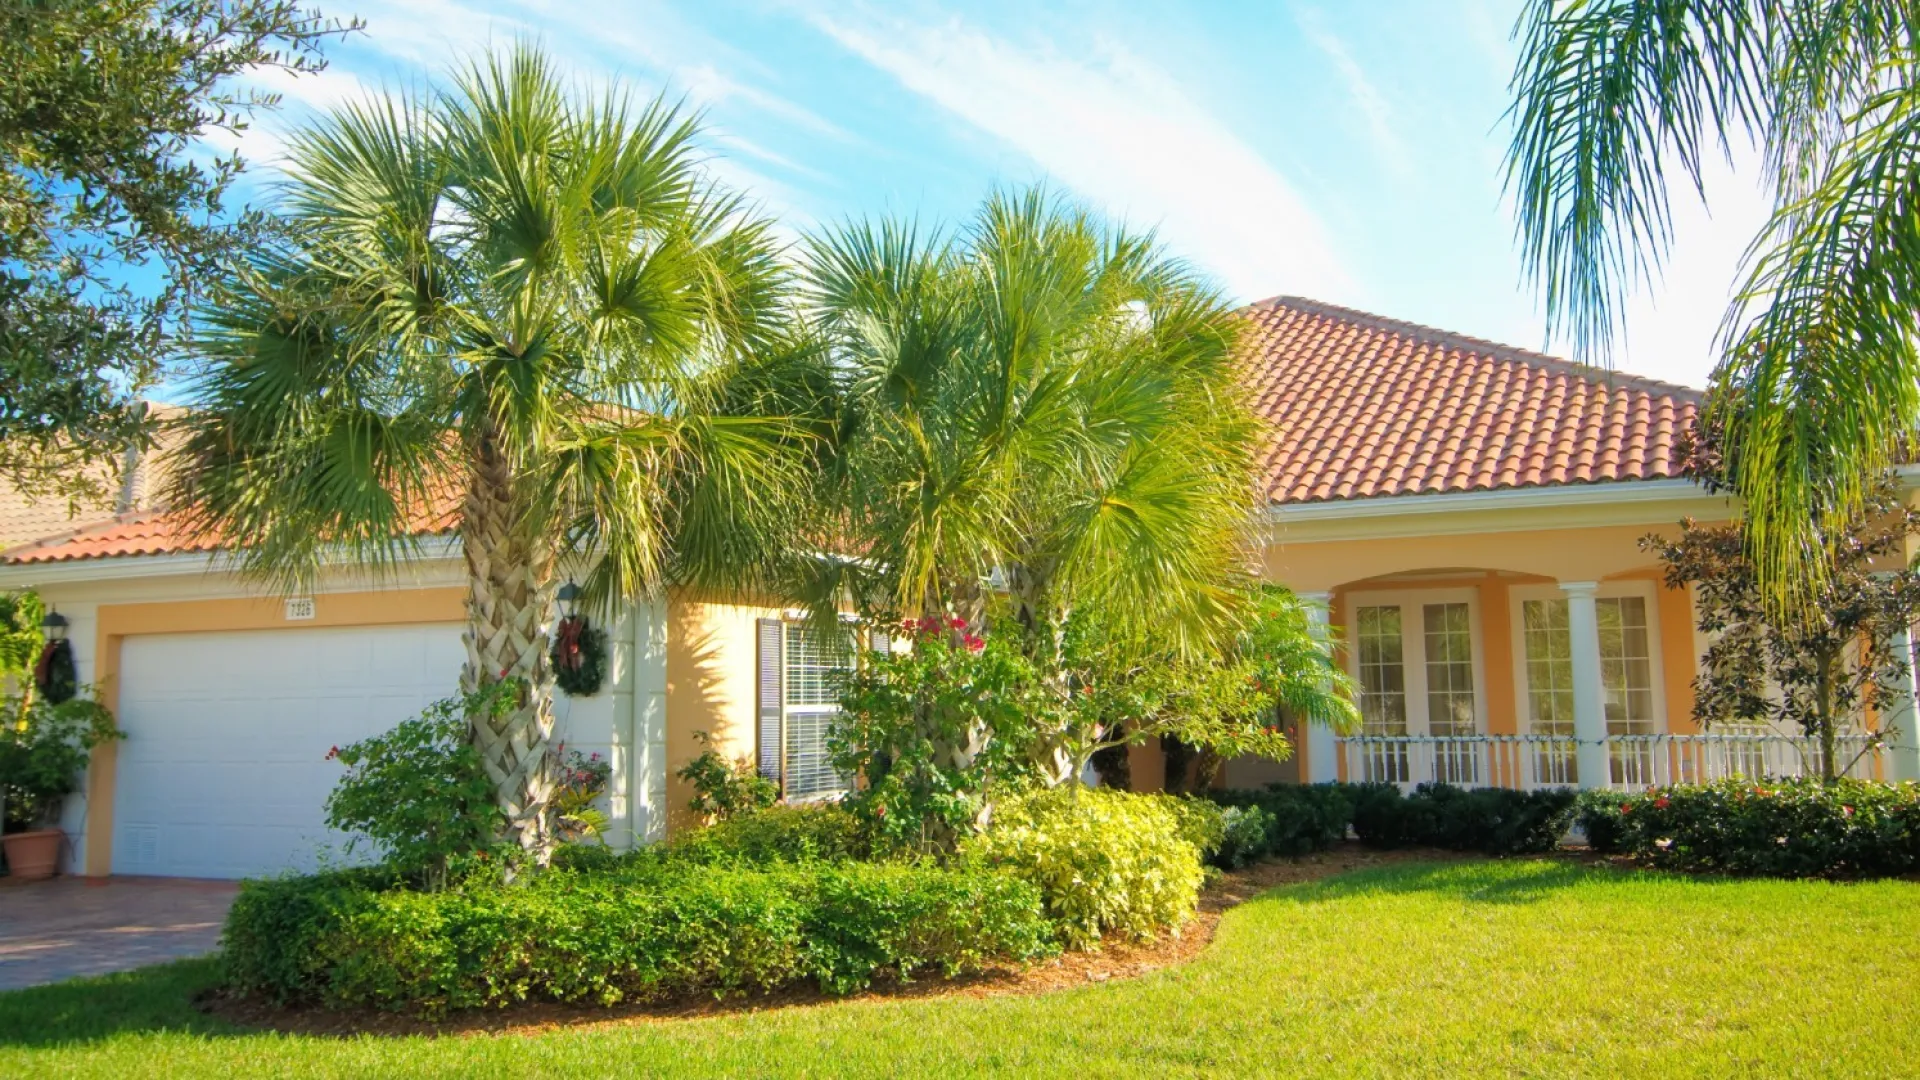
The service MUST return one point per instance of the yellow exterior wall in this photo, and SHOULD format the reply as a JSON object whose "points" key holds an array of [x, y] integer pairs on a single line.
{"points": [[711, 687], [1593, 553], [117, 622], [1493, 563]]}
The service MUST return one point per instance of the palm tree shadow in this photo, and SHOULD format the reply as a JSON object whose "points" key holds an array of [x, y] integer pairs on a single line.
{"points": [[1506, 881]]}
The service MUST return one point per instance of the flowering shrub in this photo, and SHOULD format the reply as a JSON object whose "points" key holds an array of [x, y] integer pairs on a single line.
{"points": [[419, 792], [1107, 862], [1779, 828], [723, 787], [938, 733], [578, 782]]}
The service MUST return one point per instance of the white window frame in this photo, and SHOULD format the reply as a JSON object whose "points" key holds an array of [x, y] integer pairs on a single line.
{"points": [[1413, 647], [1645, 590], [811, 711]]}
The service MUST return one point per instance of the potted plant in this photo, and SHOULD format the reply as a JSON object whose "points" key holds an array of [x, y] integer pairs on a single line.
{"points": [[43, 749]]}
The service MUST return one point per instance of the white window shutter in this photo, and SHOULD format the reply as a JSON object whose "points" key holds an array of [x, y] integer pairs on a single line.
{"points": [[769, 696]]}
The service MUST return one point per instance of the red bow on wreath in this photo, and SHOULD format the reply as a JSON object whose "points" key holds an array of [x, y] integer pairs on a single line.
{"points": [[566, 653]]}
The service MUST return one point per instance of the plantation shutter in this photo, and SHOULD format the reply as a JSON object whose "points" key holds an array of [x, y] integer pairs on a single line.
{"points": [[768, 699], [880, 641]]}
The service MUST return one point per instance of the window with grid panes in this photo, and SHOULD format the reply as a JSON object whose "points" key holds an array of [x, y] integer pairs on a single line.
{"points": [[811, 705]]}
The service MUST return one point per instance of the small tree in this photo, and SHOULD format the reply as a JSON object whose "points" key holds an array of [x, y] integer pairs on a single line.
{"points": [[1124, 690], [1824, 665]]}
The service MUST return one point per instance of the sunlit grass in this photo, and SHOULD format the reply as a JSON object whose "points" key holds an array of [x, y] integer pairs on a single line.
{"points": [[1526, 968]]}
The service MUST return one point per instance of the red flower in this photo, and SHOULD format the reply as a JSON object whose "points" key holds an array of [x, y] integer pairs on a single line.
{"points": [[975, 644], [1847, 810], [1626, 807], [956, 623], [1660, 803]]}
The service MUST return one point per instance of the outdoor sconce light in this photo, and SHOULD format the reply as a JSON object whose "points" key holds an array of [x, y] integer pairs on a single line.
{"points": [[568, 594], [54, 626]]}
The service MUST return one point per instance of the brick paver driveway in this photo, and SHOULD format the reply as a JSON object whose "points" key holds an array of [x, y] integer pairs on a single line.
{"points": [[59, 929]]}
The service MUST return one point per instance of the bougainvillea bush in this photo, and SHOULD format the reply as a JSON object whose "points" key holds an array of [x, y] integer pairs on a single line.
{"points": [[1776, 828]]}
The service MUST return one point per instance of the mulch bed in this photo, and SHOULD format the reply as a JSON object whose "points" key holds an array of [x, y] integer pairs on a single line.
{"points": [[1112, 961]]}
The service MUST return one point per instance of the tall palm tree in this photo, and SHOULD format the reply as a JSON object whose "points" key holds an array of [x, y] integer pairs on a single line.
{"points": [[526, 315], [1820, 377], [1043, 403]]}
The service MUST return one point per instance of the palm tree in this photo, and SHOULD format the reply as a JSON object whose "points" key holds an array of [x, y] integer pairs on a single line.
{"points": [[1045, 404], [527, 316], [1038, 416], [1820, 378]]}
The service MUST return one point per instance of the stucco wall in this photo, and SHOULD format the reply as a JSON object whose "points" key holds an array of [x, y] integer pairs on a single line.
{"points": [[711, 678]]}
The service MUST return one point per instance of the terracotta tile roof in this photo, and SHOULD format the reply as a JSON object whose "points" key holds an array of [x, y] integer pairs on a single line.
{"points": [[160, 533], [1359, 406], [1363, 406], [133, 481]]}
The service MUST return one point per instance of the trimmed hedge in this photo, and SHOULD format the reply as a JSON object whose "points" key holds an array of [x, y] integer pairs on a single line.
{"points": [[779, 834], [1495, 821], [1774, 828], [1305, 818], [1106, 862], [1313, 817], [634, 930]]}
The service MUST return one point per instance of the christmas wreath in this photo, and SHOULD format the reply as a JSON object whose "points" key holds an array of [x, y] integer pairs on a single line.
{"points": [[579, 656]]}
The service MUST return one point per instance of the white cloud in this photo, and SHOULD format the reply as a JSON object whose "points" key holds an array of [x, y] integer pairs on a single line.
{"points": [[1671, 325], [1366, 97], [1121, 134]]}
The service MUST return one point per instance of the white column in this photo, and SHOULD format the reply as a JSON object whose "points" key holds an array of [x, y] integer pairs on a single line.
{"points": [[1899, 720], [1322, 750], [1589, 696]]}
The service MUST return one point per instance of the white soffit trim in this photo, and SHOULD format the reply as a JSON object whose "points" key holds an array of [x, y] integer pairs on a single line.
{"points": [[1619, 502], [425, 564]]}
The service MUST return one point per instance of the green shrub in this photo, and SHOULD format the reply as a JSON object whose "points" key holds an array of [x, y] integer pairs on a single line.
{"points": [[1597, 813], [1248, 836], [723, 788], [1776, 828], [1201, 823], [1497, 821], [780, 834], [1106, 862], [638, 929], [420, 792], [1305, 817]]}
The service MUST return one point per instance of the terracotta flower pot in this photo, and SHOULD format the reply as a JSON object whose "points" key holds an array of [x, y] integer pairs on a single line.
{"points": [[34, 855]]}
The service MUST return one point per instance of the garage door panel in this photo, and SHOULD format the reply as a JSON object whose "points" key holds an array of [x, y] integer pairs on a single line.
{"points": [[224, 771]]}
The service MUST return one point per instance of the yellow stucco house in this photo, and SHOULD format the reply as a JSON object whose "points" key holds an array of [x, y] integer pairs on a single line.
{"points": [[1468, 513]]}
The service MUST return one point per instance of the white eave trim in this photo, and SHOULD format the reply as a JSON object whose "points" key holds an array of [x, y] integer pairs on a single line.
{"points": [[1618, 502]]}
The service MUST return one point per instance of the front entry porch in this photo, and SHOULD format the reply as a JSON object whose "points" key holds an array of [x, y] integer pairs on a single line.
{"points": [[1628, 762]]}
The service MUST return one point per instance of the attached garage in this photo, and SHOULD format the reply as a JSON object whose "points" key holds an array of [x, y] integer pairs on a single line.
{"points": [[223, 772]]}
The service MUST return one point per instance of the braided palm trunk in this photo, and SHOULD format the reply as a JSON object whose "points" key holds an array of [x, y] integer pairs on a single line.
{"points": [[510, 588]]}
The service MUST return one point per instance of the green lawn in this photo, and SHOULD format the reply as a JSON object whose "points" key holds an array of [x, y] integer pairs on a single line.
{"points": [[1527, 968]]}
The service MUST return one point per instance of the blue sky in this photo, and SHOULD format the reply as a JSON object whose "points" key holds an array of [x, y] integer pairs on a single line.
{"points": [[1345, 151]]}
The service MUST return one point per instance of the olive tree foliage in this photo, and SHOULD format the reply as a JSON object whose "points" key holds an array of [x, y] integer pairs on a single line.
{"points": [[112, 207], [1620, 103], [1820, 668]]}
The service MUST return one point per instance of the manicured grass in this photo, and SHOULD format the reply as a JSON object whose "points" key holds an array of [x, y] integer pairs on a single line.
{"points": [[1523, 968]]}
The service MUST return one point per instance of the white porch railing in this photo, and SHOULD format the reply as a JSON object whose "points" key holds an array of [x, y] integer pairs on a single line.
{"points": [[1637, 761]]}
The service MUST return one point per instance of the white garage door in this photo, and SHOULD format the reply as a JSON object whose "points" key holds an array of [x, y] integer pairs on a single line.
{"points": [[223, 772]]}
